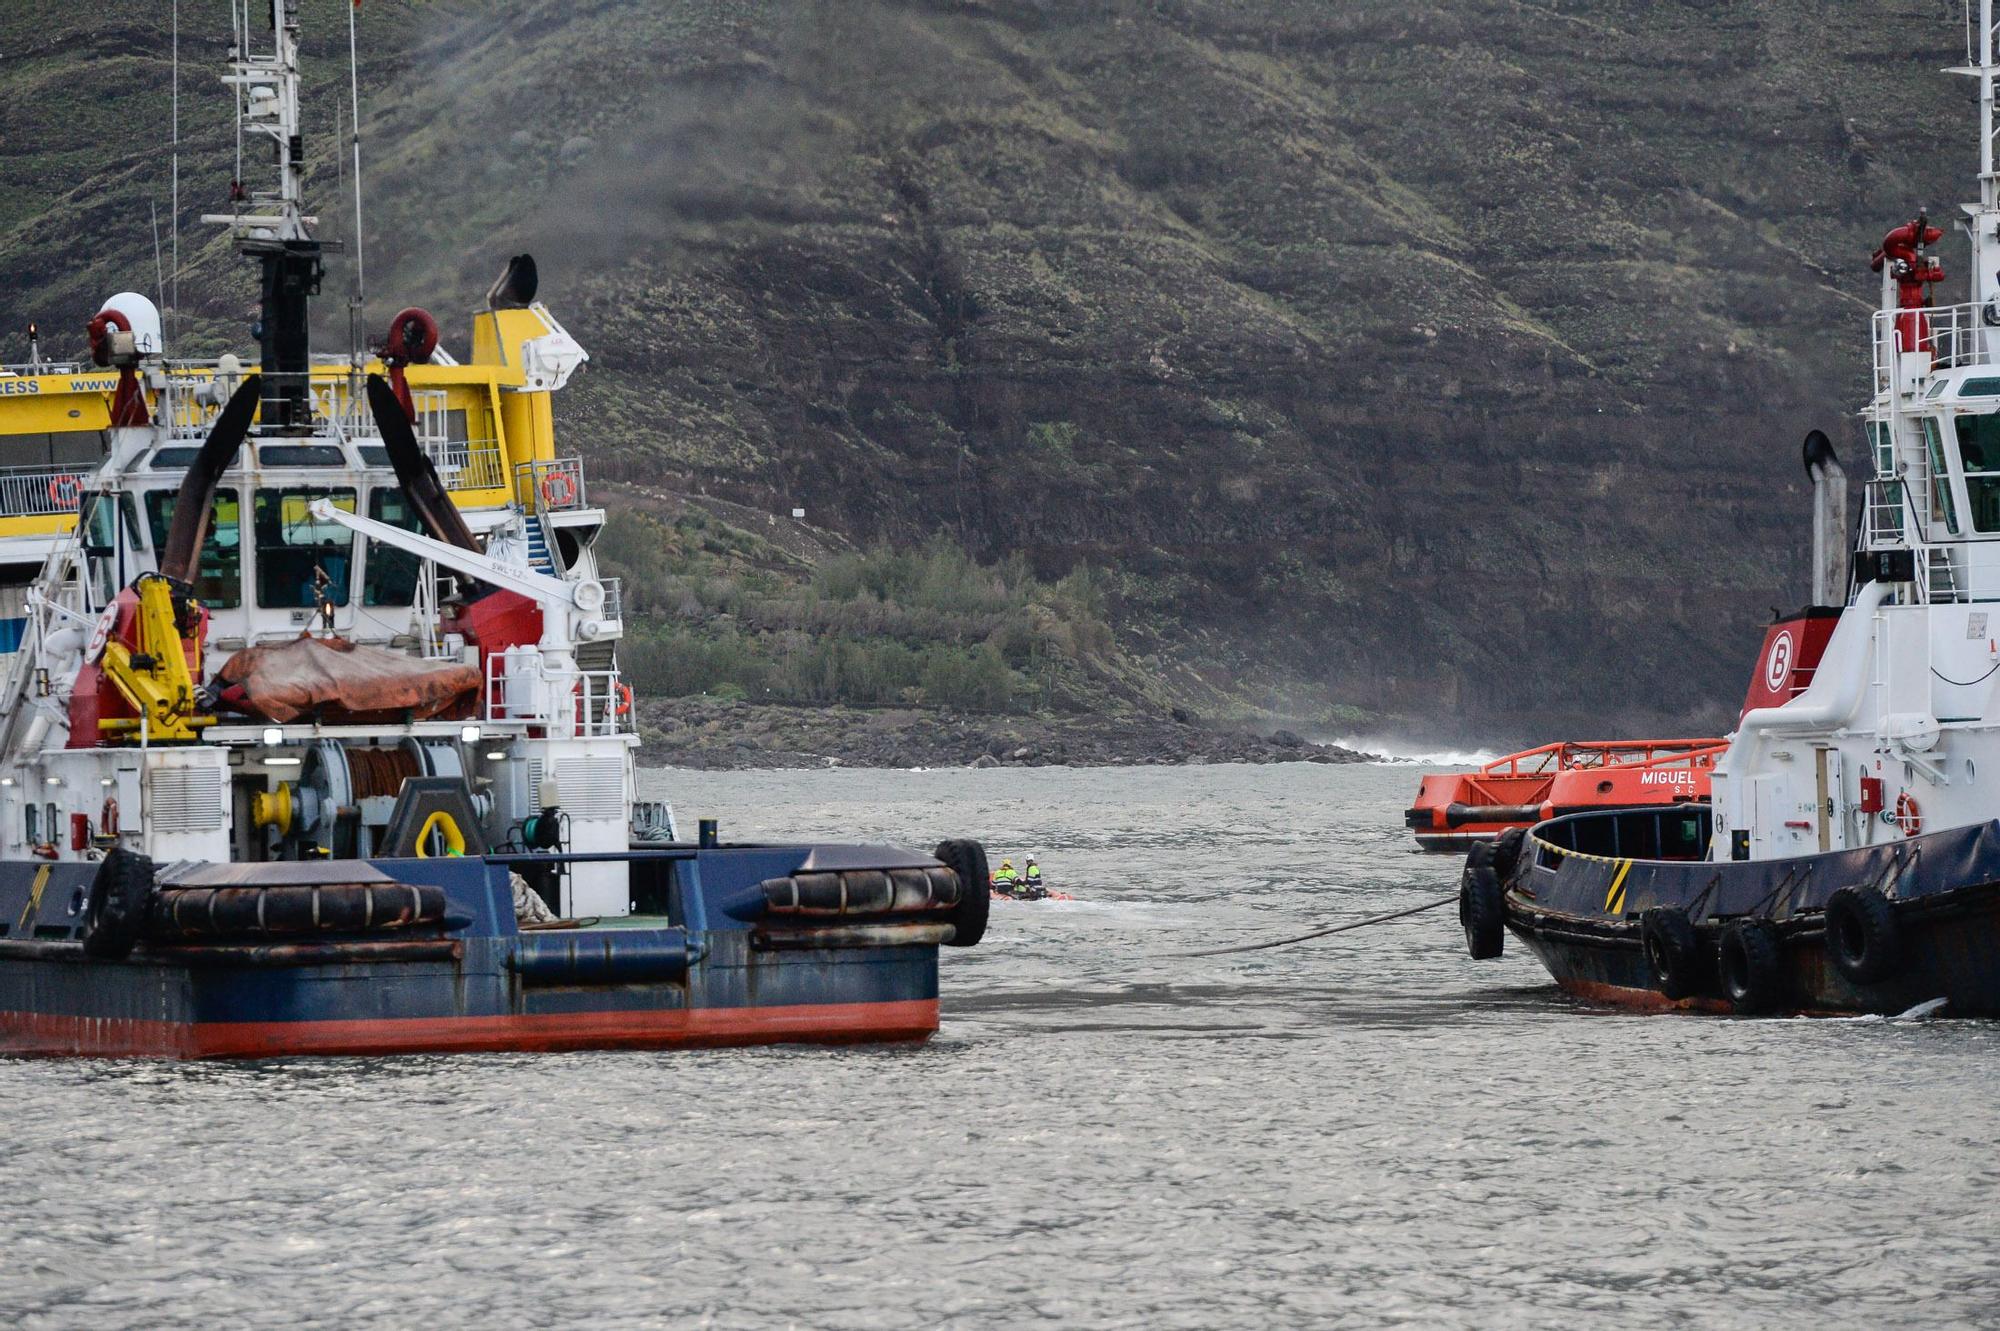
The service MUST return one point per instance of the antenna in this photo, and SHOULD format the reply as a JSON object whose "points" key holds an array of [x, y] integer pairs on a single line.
{"points": [[159, 281], [358, 304], [174, 207]]}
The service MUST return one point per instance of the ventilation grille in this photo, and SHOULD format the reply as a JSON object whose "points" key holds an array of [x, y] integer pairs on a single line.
{"points": [[592, 787], [184, 799]]}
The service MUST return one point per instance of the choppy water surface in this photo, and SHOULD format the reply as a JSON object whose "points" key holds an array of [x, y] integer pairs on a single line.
{"points": [[1368, 1130]]}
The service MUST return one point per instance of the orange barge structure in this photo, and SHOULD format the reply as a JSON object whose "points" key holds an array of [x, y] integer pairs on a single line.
{"points": [[1456, 809]]}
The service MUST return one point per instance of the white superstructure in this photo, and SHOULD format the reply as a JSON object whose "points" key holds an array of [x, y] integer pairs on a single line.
{"points": [[1899, 729], [309, 531]]}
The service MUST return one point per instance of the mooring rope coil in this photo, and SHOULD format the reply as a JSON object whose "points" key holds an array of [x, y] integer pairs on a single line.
{"points": [[1322, 933]]}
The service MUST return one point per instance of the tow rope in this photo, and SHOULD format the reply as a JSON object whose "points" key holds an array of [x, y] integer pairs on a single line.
{"points": [[1322, 933]]}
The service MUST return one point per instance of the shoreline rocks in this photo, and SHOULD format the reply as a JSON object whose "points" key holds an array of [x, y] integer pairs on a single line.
{"points": [[715, 734]]}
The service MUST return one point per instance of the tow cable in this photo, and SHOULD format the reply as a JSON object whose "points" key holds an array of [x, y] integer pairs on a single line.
{"points": [[1322, 933]]}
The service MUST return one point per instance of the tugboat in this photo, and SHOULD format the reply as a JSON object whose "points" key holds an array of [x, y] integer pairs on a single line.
{"points": [[314, 738], [1455, 809], [1850, 859]]}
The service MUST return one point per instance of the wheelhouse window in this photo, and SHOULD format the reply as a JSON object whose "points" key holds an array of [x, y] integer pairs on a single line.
{"points": [[1942, 508], [1979, 450], [390, 576], [292, 544], [110, 536], [218, 580]]}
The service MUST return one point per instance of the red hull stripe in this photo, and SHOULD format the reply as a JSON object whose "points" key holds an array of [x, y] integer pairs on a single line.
{"points": [[41, 1033]]}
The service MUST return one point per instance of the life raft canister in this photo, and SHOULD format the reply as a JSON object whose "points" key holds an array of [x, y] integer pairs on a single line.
{"points": [[1908, 816]]}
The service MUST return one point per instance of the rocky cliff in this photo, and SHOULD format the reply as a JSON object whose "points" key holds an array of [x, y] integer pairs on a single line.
{"points": [[1434, 365]]}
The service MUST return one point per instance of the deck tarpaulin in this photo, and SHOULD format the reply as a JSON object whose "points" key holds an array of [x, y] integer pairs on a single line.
{"points": [[285, 681]]}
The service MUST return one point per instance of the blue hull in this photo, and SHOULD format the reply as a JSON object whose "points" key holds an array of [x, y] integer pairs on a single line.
{"points": [[696, 975]]}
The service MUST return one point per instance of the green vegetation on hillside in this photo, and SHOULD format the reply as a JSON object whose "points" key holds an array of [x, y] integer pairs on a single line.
{"points": [[717, 610]]}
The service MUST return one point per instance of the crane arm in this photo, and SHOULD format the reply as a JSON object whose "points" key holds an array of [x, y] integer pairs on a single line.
{"points": [[581, 601]]}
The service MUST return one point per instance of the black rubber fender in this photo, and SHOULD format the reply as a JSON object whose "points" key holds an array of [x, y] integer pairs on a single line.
{"points": [[1673, 951], [1748, 963], [1862, 939], [1481, 911], [1507, 851], [967, 859], [115, 910]]}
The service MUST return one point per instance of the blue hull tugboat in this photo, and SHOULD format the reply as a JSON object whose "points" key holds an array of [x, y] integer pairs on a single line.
{"points": [[1849, 860], [312, 733]]}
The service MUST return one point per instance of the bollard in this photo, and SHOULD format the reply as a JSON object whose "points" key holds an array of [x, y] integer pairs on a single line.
{"points": [[709, 839]]}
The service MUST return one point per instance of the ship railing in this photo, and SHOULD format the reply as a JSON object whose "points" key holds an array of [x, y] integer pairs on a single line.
{"points": [[1568, 755], [468, 464], [27, 369], [1884, 514], [521, 689], [1950, 335], [40, 490], [553, 486], [1892, 516]]}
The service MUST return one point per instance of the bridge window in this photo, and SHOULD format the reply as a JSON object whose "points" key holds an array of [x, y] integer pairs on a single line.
{"points": [[1979, 388], [291, 543], [390, 577], [1979, 450], [1942, 508], [218, 579]]}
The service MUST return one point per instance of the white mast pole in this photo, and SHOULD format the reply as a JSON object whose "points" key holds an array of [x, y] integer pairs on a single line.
{"points": [[174, 205], [1984, 285], [359, 318]]}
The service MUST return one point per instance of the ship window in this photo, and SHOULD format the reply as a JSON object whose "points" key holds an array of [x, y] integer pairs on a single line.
{"points": [[301, 455], [291, 543], [173, 459], [1979, 451], [1979, 388], [218, 580], [1942, 508], [390, 577], [1937, 389]]}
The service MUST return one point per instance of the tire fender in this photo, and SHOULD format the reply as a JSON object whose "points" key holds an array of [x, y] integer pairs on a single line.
{"points": [[1482, 909], [1862, 938], [1673, 951], [1748, 960], [967, 859], [115, 909]]}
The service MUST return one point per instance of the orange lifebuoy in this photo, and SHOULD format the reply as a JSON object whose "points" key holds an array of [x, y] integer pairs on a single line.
{"points": [[64, 491], [1908, 816], [620, 702], [558, 490]]}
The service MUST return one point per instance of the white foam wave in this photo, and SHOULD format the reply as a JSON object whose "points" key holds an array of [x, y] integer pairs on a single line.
{"points": [[1393, 750]]}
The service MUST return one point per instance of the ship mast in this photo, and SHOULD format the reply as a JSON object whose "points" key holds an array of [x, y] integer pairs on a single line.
{"points": [[1983, 218], [275, 229]]}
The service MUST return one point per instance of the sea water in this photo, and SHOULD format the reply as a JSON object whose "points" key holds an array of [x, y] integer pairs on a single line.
{"points": [[1366, 1130]]}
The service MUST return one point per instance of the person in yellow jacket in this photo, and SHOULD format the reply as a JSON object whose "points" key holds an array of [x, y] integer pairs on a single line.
{"points": [[1031, 879], [1005, 880]]}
